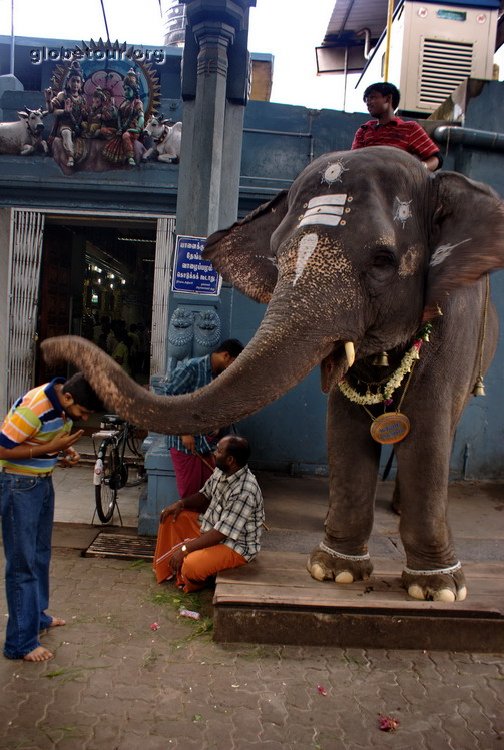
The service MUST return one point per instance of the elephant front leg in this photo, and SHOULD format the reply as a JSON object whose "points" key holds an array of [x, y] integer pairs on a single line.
{"points": [[354, 458], [432, 569]]}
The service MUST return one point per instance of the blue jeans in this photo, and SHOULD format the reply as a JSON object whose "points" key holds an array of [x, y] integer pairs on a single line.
{"points": [[27, 508]]}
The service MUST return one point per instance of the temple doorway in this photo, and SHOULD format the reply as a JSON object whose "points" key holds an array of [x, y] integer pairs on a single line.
{"points": [[97, 279]]}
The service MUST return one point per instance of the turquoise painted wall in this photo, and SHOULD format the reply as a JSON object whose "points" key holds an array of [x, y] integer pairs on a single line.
{"points": [[279, 141]]}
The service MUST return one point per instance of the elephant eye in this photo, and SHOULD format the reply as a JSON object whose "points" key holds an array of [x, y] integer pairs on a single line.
{"points": [[384, 259]]}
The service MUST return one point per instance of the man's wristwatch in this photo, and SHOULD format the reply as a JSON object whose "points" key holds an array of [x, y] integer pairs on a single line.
{"points": [[184, 549]]}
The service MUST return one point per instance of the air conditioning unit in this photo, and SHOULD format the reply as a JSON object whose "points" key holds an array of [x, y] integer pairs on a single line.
{"points": [[435, 47]]}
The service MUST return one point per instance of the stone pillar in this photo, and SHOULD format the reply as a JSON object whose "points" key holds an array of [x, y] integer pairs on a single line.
{"points": [[214, 90], [215, 81]]}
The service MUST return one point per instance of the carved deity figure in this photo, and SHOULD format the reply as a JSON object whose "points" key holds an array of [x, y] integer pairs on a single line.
{"points": [[102, 117], [130, 122], [70, 110]]}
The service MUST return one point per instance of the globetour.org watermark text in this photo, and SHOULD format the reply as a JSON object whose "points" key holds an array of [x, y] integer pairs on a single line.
{"points": [[38, 55]]}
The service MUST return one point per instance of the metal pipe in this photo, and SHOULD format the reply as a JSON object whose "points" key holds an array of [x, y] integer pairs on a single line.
{"points": [[12, 45], [277, 132], [390, 12], [345, 79], [367, 41], [469, 137]]}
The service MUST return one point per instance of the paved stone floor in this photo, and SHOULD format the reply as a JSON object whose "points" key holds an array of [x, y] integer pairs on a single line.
{"points": [[117, 684]]}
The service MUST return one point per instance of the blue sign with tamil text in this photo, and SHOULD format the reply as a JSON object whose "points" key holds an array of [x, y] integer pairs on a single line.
{"points": [[191, 273]]}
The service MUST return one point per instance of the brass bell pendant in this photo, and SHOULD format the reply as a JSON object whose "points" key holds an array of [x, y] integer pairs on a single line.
{"points": [[381, 360], [479, 387]]}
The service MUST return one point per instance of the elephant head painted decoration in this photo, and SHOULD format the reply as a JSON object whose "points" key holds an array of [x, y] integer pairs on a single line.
{"points": [[362, 251]]}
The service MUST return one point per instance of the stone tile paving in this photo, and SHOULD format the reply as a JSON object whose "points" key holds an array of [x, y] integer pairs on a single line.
{"points": [[115, 684]]}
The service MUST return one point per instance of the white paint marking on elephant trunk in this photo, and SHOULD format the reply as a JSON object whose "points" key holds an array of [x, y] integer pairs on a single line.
{"points": [[325, 209], [444, 251], [306, 247]]}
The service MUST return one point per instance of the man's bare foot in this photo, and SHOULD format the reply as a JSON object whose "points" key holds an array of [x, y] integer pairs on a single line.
{"points": [[38, 654], [56, 622]]}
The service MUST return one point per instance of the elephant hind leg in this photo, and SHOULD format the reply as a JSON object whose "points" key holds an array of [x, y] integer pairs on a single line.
{"points": [[325, 564], [444, 585]]}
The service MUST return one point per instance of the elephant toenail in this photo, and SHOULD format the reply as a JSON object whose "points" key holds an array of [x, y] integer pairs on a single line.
{"points": [[461, 594], [317, 572], [444, 595], [344, 577], [416, 591]]}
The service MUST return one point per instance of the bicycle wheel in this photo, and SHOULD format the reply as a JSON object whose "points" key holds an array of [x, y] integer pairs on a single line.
{"points": [[110, 482]]}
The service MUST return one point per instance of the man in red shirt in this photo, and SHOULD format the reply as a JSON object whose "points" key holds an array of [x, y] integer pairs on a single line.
{"points": [[382, 99]]}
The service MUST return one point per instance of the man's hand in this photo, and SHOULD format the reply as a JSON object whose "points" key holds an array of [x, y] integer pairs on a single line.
{"points": [[62, 444], [431, 164], [70, 457], [171, 510], [189, 443], [176, 560]]}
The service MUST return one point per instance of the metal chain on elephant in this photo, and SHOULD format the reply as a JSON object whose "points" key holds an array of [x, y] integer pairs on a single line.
{"points": [[479, 387], [390, 427], [439, 571], [398, 421], [355, 558]]}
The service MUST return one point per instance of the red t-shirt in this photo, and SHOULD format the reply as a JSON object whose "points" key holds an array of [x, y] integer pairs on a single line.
{"points": [[410, 136]]}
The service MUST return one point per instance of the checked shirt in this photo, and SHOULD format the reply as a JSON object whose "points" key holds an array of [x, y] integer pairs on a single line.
{"points": [[236, 510]]}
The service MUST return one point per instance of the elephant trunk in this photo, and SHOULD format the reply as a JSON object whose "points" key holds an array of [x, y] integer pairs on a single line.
{"points": [[276, 359]]}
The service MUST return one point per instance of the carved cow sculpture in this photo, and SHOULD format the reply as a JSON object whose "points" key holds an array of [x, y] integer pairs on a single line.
{"points": [[166, 137], [23, 137]]}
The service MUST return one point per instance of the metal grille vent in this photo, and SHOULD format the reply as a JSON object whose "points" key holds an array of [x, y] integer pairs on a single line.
{"points": [[26, 253], [444, 65]]}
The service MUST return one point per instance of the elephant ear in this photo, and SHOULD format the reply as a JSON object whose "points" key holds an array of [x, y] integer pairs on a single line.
{"points": [[242, 253], [467, 237]]}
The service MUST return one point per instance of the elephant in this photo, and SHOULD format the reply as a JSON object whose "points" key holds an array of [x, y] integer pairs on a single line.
{"points": [[367, 254]]}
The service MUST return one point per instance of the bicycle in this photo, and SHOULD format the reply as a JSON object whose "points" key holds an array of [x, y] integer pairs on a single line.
{"points": [[111, 468]]}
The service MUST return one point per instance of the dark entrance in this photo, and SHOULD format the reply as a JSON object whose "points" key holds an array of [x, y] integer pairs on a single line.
{"points": [[96, 281]]}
